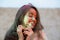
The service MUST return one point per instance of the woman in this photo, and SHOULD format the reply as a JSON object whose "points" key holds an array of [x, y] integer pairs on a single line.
{"points": [[27, 25]]}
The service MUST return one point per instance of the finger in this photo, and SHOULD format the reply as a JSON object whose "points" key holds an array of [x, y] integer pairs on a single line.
{"points": [[18, 30], [26, 32], [28, 29], [20, 27]]}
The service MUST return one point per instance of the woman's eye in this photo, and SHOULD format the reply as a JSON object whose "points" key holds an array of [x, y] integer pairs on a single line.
{"points": [[30, 15]]}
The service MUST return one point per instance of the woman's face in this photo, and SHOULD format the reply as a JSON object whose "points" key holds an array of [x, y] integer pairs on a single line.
{"points": [[30, 18]]}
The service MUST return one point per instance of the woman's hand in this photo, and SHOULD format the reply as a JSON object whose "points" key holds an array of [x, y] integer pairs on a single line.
{"points": [[19, 32], [28, 32]]}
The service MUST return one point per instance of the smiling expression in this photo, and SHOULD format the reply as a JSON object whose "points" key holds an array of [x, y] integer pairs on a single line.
{"points": [[30, 18]]}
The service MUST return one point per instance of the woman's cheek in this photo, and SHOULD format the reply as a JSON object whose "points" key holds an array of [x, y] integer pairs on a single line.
{"points": [[26, 20]]}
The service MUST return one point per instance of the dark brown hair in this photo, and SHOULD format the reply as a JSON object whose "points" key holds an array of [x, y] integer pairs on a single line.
{"points": [[12, 33], [21, 13]]}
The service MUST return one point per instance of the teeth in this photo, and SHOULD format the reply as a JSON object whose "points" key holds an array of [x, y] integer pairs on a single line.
{"points": [[30, 24]]}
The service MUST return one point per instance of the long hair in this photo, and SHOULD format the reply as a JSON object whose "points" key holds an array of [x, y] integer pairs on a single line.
{"points": [[21, 13], [18, 21]]}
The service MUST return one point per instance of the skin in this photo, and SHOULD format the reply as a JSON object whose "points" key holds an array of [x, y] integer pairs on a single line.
{"points": [[31, 15], [28, 31], [30, 18]]}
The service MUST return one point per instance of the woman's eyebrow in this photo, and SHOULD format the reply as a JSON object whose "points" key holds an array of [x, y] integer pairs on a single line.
{"points": [[32, 13]]}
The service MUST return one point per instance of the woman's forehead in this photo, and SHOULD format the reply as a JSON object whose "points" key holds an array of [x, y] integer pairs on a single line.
{"points": [[33, 11]]}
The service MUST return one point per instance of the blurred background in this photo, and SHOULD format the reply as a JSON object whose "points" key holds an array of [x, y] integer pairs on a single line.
{"points": [[49, 14]]}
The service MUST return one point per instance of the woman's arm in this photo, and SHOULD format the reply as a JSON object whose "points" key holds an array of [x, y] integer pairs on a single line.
{"points": [[19, 32]]}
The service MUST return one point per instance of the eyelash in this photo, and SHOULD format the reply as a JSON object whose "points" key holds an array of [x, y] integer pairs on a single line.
{"points": [[30, 15]]}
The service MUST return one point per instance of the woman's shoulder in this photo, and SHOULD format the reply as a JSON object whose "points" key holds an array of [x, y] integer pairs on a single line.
{"points": [[42, 32], [34, 36]]}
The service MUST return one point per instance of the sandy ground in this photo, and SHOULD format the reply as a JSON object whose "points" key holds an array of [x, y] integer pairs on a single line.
{"points": [[50, 19]]}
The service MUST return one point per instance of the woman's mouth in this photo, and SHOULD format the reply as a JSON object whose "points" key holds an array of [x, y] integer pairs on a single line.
{"points": [[30, 24]]}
